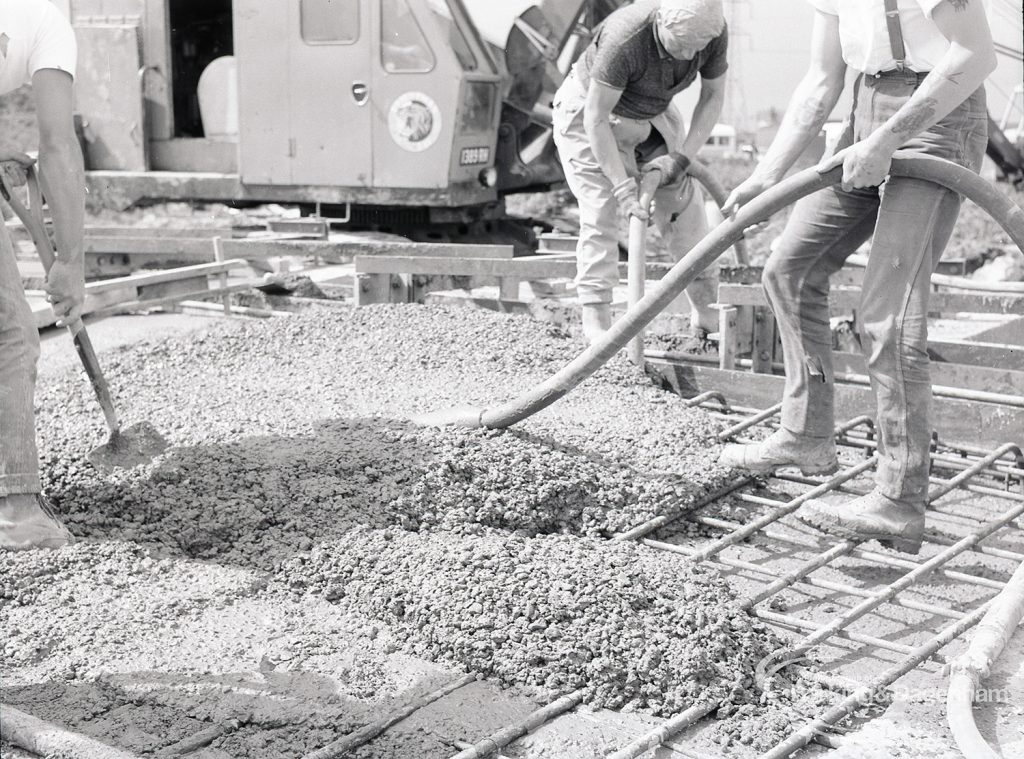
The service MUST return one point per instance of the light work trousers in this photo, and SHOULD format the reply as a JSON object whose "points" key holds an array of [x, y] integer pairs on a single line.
{"points": [[678, 209], [19, 354]]}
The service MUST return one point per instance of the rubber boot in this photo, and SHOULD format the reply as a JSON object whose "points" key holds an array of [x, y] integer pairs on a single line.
{"points": [[28, 521], [783, 448], [597, 319], [896, 523]]}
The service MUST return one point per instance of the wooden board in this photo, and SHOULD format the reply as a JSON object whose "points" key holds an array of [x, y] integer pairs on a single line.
{"points": [[528, 267], [847, 299], [968, 422]]}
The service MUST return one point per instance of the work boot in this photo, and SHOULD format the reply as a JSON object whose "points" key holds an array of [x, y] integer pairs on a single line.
{"points": [[896, 523], [28, 521], [783, 448], [597, 319]]}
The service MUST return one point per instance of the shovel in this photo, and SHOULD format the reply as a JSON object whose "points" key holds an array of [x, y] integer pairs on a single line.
{"points": [[125, 448]]}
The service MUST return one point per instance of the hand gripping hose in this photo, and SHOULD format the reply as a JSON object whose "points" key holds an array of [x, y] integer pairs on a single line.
{"points": [[911, 166]]}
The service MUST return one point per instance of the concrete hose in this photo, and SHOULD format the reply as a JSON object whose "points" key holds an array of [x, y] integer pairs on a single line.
{"points": [[993, 633], [935, 170]]}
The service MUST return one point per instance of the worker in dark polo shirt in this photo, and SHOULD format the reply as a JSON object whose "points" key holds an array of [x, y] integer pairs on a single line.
{"points": [[614, 118]]}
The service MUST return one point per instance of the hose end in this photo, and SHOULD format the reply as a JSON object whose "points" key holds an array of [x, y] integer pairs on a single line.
{"points": [[468, 417]]}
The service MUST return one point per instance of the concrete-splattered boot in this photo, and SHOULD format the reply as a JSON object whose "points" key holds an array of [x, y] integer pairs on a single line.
{"points": [[28, 521], [597, 319], [783, 448], [896, 523]]}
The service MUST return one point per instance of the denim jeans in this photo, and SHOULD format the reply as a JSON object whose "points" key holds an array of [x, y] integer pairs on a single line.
{"points": [[678, 208], [911, 222], [19, 352]]}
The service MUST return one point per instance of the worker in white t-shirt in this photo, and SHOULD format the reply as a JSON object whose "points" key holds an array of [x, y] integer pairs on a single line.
{"points": [[921, 65], [37, 46]]}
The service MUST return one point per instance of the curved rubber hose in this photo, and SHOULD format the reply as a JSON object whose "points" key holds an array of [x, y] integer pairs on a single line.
{"points": [[702, 174], [927, 168], [936, 170], [989, 640]]}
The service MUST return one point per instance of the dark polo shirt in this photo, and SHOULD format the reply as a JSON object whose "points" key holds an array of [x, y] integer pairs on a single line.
{"points": [[627, 55]]}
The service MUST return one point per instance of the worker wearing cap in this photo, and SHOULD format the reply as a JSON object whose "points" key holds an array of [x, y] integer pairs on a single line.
{"points": [[37, 45], [614, 118], [920, 66]]}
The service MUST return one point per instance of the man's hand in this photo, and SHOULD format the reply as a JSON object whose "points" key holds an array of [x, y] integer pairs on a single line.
{"points": [[13, 165], [672, 167], [65, 290], [626, 194], [749, 189], [865, 164]]}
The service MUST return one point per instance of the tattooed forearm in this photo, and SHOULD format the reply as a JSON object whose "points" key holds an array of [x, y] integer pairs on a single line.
{"points": [[810, 113], [917, 117], [959, 5]]}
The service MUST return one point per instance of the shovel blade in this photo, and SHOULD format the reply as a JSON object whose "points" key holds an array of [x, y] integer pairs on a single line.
{"points": [[128, 448]]}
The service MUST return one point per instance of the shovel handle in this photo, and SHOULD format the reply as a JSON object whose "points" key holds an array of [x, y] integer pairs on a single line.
{"points": [[32, 218]]}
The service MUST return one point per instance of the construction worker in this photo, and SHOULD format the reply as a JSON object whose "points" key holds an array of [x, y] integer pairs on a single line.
{"points": [[614, 118], [921, 66], [37, 45]]}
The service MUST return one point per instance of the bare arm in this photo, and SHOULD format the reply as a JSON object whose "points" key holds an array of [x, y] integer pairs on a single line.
{"points": [[60, 159], [965, 66], [705, 115], [811, 104], [63, 179], [597, 114]]}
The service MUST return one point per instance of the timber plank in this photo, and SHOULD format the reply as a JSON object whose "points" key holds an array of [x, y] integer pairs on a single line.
{"points": [[529, 267], [961, 421], [846, 299]]}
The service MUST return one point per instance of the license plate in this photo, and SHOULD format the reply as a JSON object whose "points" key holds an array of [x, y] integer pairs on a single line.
{"points": [[473, 156]]}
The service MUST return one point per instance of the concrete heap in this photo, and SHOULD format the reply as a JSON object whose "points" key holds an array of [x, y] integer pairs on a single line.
{"points": [[633, 627], [294, 470]]}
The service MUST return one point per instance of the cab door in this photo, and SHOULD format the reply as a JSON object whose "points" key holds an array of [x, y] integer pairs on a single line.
{"points": [[304, 70], [426, 53]]}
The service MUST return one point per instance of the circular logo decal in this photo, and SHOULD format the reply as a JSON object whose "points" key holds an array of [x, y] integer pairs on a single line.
{"points": [[414, 121]]}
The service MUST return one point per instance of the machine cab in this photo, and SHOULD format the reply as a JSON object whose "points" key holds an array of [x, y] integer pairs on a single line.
{"points": [[362, 101], [393, 94]]}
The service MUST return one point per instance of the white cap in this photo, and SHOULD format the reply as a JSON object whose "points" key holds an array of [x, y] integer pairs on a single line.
{"points": [[692, 19]]}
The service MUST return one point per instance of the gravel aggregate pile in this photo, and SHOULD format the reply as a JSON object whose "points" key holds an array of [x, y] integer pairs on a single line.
{"points": [[288, 432], [634, 627]]}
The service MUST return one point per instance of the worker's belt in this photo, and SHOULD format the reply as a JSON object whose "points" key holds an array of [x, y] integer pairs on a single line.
{"points": [[906, 75]]}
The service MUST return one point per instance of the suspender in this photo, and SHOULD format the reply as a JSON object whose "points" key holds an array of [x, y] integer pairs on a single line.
{"points": [[892, 23]]}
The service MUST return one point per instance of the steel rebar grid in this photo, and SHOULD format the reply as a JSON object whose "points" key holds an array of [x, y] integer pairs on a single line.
{"points": [[870, 604], [656, 736], [747, 530], [930, 535], [807, 582], [877, 599], [893, 561], [752, 421], [499, 740], [863, 695], [795, 622]]}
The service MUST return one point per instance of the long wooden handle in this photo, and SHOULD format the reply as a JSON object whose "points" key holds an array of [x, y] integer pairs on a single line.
{"points": [[32, 218]]}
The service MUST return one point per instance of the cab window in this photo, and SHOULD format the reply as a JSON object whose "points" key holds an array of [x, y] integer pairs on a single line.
{"points": [[329, 22], [404, 47], [444, 18]]}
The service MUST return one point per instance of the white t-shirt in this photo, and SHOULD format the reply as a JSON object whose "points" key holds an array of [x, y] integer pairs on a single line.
{"points": [[34, 35], [865, 37]]}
